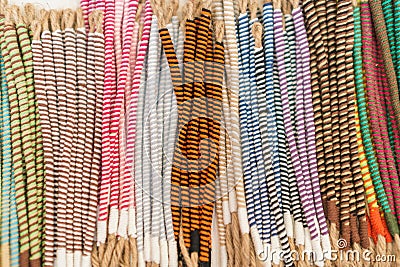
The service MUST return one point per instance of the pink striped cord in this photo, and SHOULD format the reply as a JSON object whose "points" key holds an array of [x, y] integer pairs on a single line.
{"points": [[115, 135], [109, 89], [100, 4], [115, 118], [131, 131], [86, 12], [135, 40], [125, 185], [92, 6]]}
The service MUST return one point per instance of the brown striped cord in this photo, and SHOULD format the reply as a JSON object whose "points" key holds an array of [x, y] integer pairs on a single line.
{"points": [[95, 171], [82, 161], [89, 132], [331, 46], [65, 134], [40, 90], [321, 105], [44, 123], [51, 191], [72, 117], [345, 183], [97, 53]]}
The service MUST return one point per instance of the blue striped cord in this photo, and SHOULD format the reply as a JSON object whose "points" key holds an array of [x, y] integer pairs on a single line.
{"points": [[268, 42], [248, 163], [268, 224], [290, 63], [10, 220]]}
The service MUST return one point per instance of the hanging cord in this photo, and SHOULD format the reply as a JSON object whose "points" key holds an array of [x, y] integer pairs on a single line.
{"points": [[17, 160], [396, 11], [230, 98], [319, 55], [303, 63], [109, 85], [169, 141], [380, 130], [96, 97], [344, 187], [117, 105], [82, 163], [64, 148], [138, 170], [385, 135], [381, 32], [95, 172], [388, 9], [287, 98], [164, 117], [189, 213], [133, 146], [268, 225], [27, 132], [294, 104], [313, 30], [44, 112], [358, 229], [52, 106], [26, 54], [128, 21], [151, 182], [267, 142], [176, 183], [230, 237], [279, 159], [212, 126], [125, 177], [332, 186], [390, 220], [367, 159], [188, 57], [83, 255], [190, 220], [132, 199], [69, 118], [89, 138], [251, 183], [382, 197], [9, 237], [307, 202]]}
